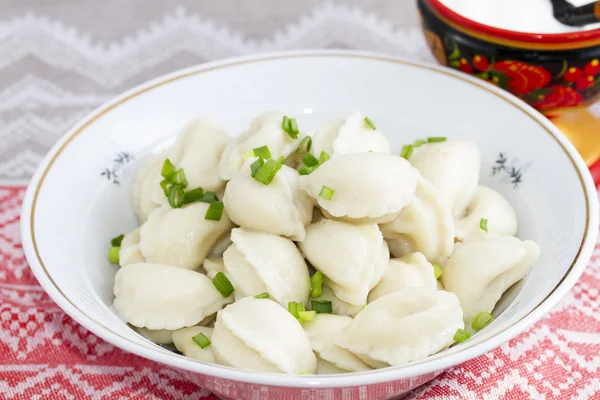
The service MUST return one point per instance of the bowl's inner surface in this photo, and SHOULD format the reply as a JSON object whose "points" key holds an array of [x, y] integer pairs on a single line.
{"points": [[521, 159]]}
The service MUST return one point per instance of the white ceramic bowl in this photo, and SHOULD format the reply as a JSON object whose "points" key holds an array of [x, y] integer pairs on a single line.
{"points": [[79, 197]]}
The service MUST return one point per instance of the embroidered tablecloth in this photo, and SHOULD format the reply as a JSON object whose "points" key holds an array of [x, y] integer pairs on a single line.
{"points": [[59, 59]]}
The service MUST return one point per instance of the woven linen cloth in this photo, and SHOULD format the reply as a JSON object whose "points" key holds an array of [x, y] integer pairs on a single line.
{"points": [[59, 59]]}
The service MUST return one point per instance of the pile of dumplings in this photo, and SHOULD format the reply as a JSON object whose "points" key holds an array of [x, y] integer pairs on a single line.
{"points": [[318, 252]]}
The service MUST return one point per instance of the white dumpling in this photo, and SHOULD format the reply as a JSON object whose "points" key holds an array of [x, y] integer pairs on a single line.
{"points": [[425, 225], [327, 368], [130, 253], [197, 151], [158, 336], [339, 307], [403, 326], [353, 257], [366, 185], [212, 266], [321, 333], [453, 169], [411, 271], [351, 136], [143, 187], [221, 245], [261, 335], [483, 267], [280, 208], [182, 339], [265, 130], [491, 205], [259, 262], [157, 296], [181, 236]]}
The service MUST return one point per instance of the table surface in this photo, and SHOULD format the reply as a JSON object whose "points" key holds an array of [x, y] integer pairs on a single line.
{"points": [[59, 59]]}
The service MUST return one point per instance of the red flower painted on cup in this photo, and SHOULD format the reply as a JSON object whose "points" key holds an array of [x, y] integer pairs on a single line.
{"points": [[555, 97], [481, 63], [584, 82], [521, 78], [592, 68], [464, 66], [572, 74]]}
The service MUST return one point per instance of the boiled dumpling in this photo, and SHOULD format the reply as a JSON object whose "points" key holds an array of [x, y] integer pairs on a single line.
{"points": [[260, 335], [130, 253], [197, 151], [453, 169], [351, 136], [403, 326], [143, 187], [483, 267], [339, 307], [181, 236], [353, 257], [259, 262], [157, 296], [491, 205], [212, 266], [411, 271], [425, 225], [367, 185], [321, 333], [280, 207], [159, 336], [220, 246], [182, 339], [265, 130]]}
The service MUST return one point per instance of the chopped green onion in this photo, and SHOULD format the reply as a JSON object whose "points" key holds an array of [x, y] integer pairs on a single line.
{"points": [[295, 308], [437, 271], [193, 196], [262, 152], [209, 197], [256, 166], [418, 143], [164, 184], [307, 170], [167, 169], [290, 126], [116, 241], [481, 320], [323, 157], [201, 340], [370, 123], [307, 316], [222, 284], [176, 196], [363, 307], [436, 139], [316, 284], [310, 161], [326, 193], [406, 151], [113, 254], [461, 335], [267, 172], [280, 160], [483, 224], [285, 124], [321, 306], [264, 295], [178, 178], [248, 154], [304, 145], [215, 211]]}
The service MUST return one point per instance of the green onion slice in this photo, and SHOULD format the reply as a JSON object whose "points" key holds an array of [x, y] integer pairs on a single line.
{"points": [[321, 306], [222, 284], [483, 224], [262, 152], [280, 160], [370, 123], [418, 143], [193, 196], [326, 193], [264, 295], [307, 316], [267, 172], [310, 161], [306, 170], [167, 169], [481, 320], [290, 126], [201, 340], [165, 184], [256, 166], [437, 271], [304, 145], [406, 151], [294, 128], [116, 241], [316, 284], [461, 335], [248, 154], [176, 196], [178, 178], [295, 308], [113, 254], [436, 139], [215, 211], [323, 157], [209, 197]]}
